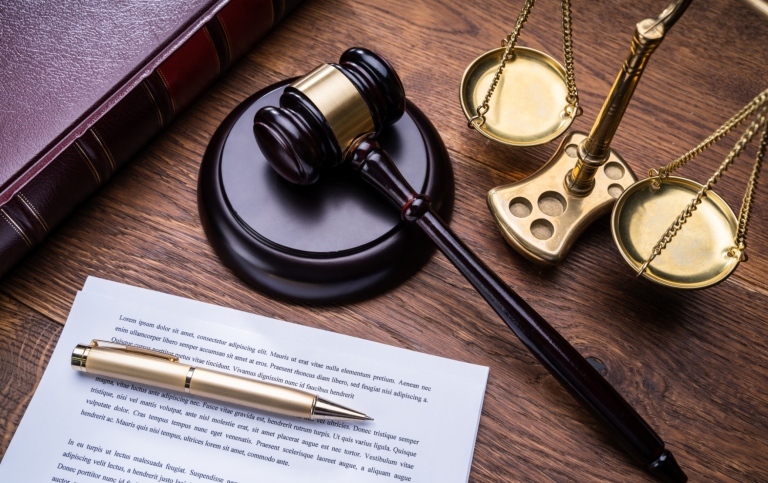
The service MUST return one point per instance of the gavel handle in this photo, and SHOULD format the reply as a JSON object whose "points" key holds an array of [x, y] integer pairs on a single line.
{"points": [[560, 358]]}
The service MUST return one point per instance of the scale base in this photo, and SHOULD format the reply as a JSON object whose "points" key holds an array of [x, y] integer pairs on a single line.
{"points": [[540, 218]]}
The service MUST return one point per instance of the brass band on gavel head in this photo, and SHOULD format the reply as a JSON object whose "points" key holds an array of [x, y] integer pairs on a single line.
{"points": [[339, 102]]}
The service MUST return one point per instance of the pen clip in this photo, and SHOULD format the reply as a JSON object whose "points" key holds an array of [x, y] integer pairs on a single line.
{"points": [[132, 349]]}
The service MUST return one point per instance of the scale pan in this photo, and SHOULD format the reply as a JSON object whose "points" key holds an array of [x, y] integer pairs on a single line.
{"points": [[528, 106], [697, 256]]}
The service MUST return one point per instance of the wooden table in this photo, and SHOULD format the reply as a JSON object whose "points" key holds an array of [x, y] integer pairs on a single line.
{"points": [[693, 364]]}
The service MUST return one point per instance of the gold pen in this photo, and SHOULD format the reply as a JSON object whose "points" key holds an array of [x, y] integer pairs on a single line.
{"points": [[164, 371]]}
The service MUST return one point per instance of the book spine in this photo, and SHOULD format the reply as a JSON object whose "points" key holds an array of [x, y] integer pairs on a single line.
{"points": [[45, 200]]}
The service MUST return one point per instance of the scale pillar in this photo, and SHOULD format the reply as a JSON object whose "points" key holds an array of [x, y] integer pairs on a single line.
{"points": [[580, 181], [595, 150]]}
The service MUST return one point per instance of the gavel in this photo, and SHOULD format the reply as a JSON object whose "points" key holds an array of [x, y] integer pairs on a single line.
{"points": [[331, 116]]}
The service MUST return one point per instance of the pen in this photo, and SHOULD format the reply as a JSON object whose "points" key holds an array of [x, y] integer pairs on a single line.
{"points": [[144, 366]]}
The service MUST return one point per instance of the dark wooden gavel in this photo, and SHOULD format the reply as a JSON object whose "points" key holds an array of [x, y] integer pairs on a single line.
{"points": [[332, 116]]}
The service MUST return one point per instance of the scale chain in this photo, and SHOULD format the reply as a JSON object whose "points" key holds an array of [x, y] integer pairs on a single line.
{"points": [[572, 109], [747, 111], [479, 119], [746, 138], [746, 205]]}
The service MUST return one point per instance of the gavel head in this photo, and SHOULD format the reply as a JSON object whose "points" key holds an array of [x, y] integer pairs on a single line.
{"points": [[323, 113]]}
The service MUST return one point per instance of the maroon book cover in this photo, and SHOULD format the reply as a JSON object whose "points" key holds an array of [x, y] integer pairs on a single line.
{"points": [[86, 84]]}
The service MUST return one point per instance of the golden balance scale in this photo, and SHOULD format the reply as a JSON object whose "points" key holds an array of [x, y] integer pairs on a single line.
{"points": [[523, 97]]}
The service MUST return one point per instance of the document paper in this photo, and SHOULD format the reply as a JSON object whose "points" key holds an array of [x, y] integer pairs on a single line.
{"points": [[84, 428]]}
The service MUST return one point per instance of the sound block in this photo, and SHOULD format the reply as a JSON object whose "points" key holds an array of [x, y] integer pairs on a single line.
{"points": [[334, 241]]}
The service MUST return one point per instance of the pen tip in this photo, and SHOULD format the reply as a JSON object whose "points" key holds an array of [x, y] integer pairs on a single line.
{"points": [[328, 410]]}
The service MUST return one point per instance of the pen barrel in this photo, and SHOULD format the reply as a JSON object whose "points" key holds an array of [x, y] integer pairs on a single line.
{"points": [[174, 376], [252, 393], [127, 366]]}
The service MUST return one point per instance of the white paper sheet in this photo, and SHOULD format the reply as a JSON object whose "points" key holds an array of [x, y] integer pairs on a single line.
{"points": [[80, 428]]}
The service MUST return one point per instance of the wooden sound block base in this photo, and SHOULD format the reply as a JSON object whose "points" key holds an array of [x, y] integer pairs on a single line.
{"points": [[333, 241]]}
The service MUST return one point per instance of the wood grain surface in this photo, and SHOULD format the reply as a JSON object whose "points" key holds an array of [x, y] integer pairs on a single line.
{"points": [[693, 364]]}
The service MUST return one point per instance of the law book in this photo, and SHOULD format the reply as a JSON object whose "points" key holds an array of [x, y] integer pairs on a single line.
{"points": [[89, 427], [87, 84]]}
